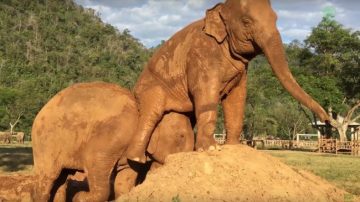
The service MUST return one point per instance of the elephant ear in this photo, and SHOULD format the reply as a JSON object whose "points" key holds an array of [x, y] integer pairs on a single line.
{"points": [[214, 24]]}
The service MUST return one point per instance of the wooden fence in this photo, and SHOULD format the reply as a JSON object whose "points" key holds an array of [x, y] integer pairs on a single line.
{"points": [[292, 144], [323, 145], [286, 144], [303, 144], [220, 138], [336, 146]]}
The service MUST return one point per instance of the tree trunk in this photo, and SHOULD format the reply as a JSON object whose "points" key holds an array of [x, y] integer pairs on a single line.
{"points": [[342, 133]]}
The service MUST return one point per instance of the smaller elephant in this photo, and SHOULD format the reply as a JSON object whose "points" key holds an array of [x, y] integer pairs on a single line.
{"points": [[84, 131], [20, 136], [5, 137]]}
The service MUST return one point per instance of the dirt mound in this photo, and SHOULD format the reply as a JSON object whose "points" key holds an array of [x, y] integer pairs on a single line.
{"points": [[236, 173], [16, 187]]}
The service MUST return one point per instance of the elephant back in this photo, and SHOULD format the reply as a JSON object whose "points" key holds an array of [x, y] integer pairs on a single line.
{"points": [[72, 118]]}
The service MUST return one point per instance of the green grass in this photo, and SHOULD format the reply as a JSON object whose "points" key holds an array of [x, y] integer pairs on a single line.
{"points": [[15, 157], [341, 170]]}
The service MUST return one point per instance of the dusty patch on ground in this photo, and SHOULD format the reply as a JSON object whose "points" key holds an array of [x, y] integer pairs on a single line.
{"points": [[236, 173], [16, 186]]}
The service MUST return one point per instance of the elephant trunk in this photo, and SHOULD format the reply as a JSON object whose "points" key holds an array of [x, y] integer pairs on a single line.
{"points": [[274, 51]]}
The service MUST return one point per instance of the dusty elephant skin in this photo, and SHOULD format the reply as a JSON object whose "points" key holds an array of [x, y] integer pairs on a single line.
{"points": [[83, 132], [206, 63], [89, 130]]}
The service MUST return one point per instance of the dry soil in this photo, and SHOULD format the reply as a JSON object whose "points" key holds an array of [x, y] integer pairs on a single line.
{"points": [[236, 173]]}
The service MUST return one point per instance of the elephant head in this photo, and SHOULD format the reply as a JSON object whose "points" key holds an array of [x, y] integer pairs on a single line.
{"points": [[249, 28]]}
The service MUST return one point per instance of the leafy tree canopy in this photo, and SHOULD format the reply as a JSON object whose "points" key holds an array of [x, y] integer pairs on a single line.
{"points": [[47, 45]]}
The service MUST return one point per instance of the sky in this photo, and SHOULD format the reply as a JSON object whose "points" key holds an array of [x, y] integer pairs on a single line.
{"points": [[152, 21]]}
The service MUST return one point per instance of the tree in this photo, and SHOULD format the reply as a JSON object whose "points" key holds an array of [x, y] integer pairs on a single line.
{"points": [[270, 109], [342, 124], [291, 120], [332, 50], [13, 124], [11, 108], [47, 46], [332, 53]]}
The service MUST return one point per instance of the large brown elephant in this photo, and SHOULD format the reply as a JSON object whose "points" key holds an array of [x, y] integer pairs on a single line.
{"points": [[86, 129], [205, 64]]}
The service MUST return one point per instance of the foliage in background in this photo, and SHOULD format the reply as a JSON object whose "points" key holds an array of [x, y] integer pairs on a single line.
{"points": [[326, 65], [335, 51], [49, 45]]}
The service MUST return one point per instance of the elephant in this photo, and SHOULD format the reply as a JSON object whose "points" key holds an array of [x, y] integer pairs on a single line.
{"points": [[205, 64], [19, 137], [5, 137], [84, 131]]}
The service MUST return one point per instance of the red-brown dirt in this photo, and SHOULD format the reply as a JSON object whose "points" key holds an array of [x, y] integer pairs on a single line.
{"points": [[236, 173], [16, 187]]}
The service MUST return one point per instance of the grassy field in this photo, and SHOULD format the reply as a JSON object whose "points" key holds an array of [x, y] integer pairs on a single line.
{"points": [[341, 170], [15, 157]]}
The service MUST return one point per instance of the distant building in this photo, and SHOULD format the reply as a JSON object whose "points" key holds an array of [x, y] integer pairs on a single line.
{"points": [[354, 128]]}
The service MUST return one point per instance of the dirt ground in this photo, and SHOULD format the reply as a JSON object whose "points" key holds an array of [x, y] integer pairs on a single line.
{"points": [[236, 173], [16, 187]]}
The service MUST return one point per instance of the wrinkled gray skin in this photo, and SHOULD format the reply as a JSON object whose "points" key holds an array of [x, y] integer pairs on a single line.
{"points": [[87, 128]]}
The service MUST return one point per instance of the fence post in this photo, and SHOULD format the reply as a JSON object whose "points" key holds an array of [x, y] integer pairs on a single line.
{"points": [[336, 146]]}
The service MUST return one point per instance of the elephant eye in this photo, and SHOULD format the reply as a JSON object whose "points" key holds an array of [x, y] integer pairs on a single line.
{"points": [[246, 21]]}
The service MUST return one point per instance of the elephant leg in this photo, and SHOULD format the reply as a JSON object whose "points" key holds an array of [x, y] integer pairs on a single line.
{"points": [[234, 109], [61, 193], [46, 180], [206, 114], [152, 108], [125, 180], [98, 177]]}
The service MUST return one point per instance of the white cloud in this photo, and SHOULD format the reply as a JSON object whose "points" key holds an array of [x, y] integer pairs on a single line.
{"points": [[296, 18], [196, 4], [154, 20], [296, 15], [295, 33]]}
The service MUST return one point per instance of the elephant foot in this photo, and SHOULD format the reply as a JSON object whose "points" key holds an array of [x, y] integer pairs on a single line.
{"points": [[136, 154], [215, 148], [211, 148], [209, 145], [87, 196]]}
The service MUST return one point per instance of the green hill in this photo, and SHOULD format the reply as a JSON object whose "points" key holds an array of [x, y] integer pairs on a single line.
{"points": [[47, 45]]}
